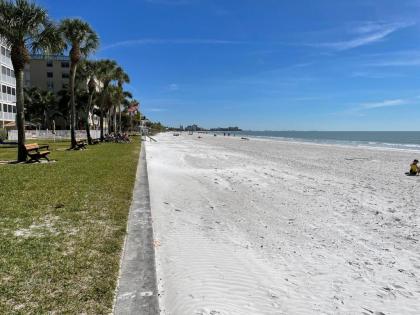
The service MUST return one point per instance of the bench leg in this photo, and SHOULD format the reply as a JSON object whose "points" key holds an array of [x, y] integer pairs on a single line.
{"points": [[32, 160]]}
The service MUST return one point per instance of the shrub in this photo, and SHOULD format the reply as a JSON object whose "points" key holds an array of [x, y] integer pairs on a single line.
{"points": [[3, 135]]}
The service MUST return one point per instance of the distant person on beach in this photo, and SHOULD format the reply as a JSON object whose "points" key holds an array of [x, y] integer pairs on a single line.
{"points": [[414, 168]]}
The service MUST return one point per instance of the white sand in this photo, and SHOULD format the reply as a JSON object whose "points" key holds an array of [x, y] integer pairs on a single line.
{"points": [[273, 227]]}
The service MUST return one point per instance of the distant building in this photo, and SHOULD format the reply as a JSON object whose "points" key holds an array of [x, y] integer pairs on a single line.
{"points": [[226, 129], [52, 73], [193, 128], [144, 126], [8, 87], [48, 72]]}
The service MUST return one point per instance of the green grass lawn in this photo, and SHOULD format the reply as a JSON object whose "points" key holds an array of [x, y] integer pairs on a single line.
{"points": [[62, 227]]}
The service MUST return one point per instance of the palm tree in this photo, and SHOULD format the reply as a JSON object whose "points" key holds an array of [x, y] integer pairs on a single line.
{"points": [[87, 80], [121, 78], [41, 106], [25, 27], [112, 97], [78, 35], [105, 74]]}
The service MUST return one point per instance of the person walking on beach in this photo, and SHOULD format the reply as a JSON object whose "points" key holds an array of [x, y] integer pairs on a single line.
{"points": [[414, 168]]}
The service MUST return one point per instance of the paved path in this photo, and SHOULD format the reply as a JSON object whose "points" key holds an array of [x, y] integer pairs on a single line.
{"points": [[137, 289]]}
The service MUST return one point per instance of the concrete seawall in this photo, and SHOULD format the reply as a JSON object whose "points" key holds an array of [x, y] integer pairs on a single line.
{"points": [[137, 288]]}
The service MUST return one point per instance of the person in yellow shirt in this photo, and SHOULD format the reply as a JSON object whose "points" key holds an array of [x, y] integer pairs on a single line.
{"points": [[414, 168]]}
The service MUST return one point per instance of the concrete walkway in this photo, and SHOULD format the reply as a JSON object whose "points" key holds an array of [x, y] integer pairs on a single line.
{"points": [[137, 289]]}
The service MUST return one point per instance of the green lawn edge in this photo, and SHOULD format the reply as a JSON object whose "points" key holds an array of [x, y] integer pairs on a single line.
{"points": [[62, 228]]}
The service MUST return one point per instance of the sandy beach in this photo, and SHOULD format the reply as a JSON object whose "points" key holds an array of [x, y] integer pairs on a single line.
{"points": [[275, 227]]}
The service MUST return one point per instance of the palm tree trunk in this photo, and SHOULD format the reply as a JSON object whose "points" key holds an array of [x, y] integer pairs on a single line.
{"points": [[101, 123], [109, 118], [89, 138], [20, 116], [72, 106], [45, 120], [119, 122], [115, 119]]}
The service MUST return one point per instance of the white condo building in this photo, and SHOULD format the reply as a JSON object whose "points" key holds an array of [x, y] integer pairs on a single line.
{"points": [[8, 88]]}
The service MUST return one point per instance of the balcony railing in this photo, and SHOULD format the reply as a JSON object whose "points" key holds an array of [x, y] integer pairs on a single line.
{"points": [[6, 61], [8, 80], [7, 98], [7, 116]]}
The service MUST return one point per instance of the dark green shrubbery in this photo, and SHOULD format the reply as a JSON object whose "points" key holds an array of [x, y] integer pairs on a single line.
{"points": [[3, 135]]}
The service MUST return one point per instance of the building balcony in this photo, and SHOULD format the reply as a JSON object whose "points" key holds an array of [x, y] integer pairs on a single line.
{"points": [[7, 116], [7, 80], [6, 61], [7, 98]]}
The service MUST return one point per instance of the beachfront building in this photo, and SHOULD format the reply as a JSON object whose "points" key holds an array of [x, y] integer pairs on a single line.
{"points": [[48, 72], [52, 73], [7, 89]]}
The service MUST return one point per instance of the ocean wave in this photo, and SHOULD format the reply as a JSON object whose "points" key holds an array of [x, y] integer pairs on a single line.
{"points": [[392, 142]]}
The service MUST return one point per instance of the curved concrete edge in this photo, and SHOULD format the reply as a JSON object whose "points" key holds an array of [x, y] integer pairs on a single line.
{"points": [[137, 286]]}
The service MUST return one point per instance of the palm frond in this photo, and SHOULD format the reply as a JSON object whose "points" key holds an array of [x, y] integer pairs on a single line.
{"points": [[77, 32], [48, 40]]}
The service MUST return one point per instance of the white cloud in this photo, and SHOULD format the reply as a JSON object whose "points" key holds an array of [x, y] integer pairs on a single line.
{"points": [[375, 75], [171, 2], [400, 58], [175, 41], [384, 103], [173, 87], [362, 108], [404, 62], [369, 33], [155, 110]]}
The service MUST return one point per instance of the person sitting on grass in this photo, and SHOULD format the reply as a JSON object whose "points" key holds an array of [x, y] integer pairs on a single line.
{"points": [[414, 168]]}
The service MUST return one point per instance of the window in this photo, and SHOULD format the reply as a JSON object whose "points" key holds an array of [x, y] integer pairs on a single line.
{"points": [[14, 109], [9, 90], [50, 85], [8, 53], [65, 75], [7, 72], [4, 89], [65, 64], [13, 91], [10, 109], [5, 108], [3, 51], [49, 74], [65, 86], [49, 63]]}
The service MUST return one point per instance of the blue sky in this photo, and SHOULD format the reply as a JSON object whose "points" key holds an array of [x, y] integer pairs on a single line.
{"points": [[264, 64]]}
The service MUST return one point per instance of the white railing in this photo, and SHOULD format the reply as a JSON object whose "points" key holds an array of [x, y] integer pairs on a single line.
{"points": [[5, 60], [8, 79], [7, 116], [7, 97], [57, 135]]}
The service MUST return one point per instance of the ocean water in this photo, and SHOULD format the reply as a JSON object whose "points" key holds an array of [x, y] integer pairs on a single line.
{"points": [[389, 139]]}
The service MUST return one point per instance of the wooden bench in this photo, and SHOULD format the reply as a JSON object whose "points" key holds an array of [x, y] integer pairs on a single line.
{"points": [[81, 144], [34, 153]]}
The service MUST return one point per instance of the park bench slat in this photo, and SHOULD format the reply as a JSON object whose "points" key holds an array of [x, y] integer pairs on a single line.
{"points": [[81, 144], [32, 150]]}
